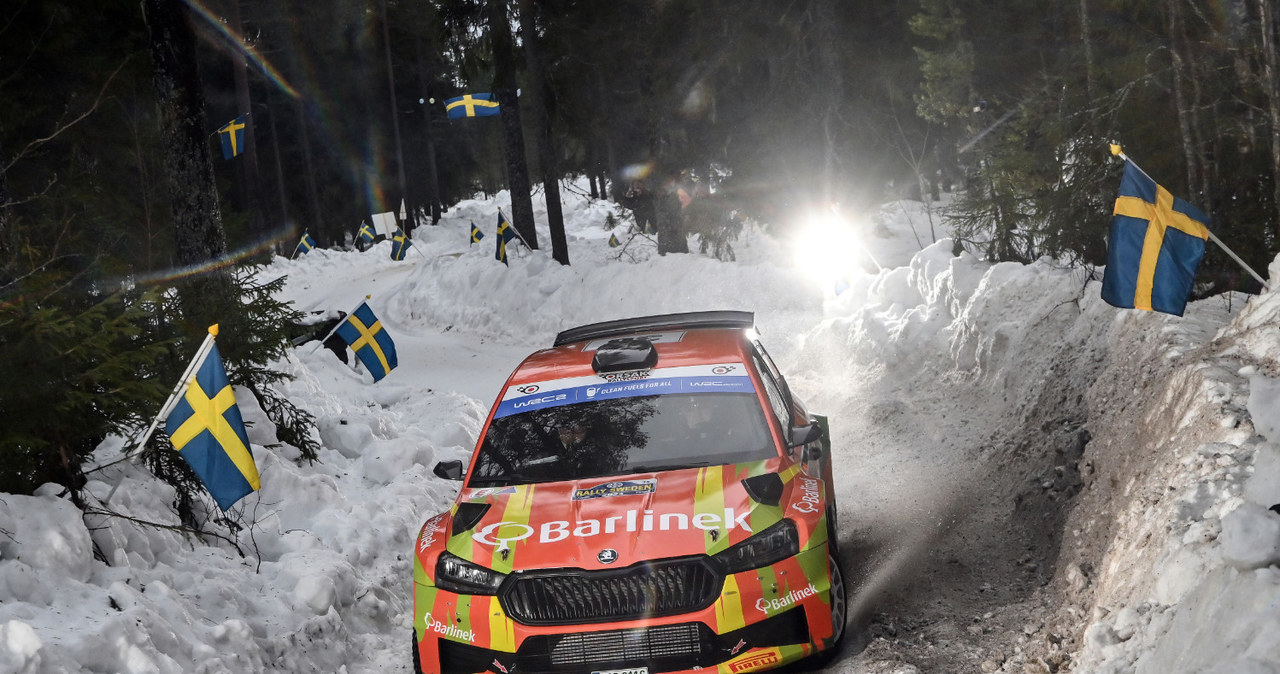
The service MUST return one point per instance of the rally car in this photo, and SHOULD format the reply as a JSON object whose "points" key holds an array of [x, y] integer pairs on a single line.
{"points": [[646, 496]]}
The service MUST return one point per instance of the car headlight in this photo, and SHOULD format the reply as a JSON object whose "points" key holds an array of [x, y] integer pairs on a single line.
{"points": [[770, 546], [456, 574]]}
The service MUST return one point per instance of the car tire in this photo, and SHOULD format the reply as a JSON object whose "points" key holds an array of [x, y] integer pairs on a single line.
{"points": [[417, 660], [839, 612]]}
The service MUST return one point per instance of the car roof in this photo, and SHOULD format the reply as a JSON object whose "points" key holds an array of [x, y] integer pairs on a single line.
{"points": [[686, 339]]}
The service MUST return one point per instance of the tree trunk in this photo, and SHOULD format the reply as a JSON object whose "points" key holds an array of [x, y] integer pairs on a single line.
{"points": [[609, 168], [540, 108], [829, 44], [194, 201], [1087, 41], [4, 213], [672, 235], [504, 81], [275, 149], [428, 107], [1185, 102], [308, 164], [395, 119], [250, 182], [1269, 20]]}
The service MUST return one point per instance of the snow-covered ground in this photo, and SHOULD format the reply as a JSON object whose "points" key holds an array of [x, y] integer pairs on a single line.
{"points": [[1030, 480]]}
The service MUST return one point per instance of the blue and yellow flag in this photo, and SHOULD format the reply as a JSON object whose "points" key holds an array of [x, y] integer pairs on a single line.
{"points": [[1156, 244], [232, 136], [363, 332], [206, 428], [471, 105], [506, 233], [400, 244], [613, 241], [305, 245], [476, 234], [366, 233]]}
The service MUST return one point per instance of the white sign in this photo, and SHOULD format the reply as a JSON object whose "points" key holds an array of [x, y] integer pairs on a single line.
{"points": [[385, 223]]}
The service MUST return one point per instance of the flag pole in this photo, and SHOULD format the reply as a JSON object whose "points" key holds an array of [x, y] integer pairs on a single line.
{"points": [[514, 230], [339, 324], [1117, 151], [183, 384]]}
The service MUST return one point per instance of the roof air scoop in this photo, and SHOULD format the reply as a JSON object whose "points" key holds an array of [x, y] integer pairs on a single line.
{"points": [[626, 353]]}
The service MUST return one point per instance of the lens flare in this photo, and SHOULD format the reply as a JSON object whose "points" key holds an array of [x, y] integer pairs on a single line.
{"points": [[829, 249], [229, 259], [238, 43]]}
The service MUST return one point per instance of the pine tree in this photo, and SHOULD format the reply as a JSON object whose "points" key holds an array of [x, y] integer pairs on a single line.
{"points": [[78, 367]]}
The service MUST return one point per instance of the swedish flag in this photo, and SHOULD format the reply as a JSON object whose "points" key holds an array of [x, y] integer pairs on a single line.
{"points": [[506, 233], [1156, 244], [400, 244], [476, 234], [305, 245], [613, 241], [206, 428], [232, 136], [471, 105], [363, 332], [366, 233]]}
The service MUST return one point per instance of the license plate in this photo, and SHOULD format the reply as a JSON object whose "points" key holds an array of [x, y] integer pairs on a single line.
{"points": [[633, 670]]}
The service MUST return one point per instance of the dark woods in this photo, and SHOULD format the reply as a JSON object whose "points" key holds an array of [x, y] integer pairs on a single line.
{"points": [[695, 114]]}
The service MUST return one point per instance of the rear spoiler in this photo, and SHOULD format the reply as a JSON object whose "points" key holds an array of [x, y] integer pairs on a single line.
{"points": [[631, 326]]}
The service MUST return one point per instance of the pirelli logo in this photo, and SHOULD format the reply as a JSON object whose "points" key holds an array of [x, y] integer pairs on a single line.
{"points": [[756, 661]]}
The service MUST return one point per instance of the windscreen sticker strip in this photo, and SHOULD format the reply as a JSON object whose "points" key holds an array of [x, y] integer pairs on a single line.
{"points": [[715, 378]]}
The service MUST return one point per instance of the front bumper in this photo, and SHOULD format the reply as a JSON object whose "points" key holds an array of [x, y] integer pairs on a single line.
{"points": [[760, 619]]}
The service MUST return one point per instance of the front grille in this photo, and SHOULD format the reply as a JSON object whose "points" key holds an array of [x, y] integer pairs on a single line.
{"points": [[570, 596], [663, 648]]}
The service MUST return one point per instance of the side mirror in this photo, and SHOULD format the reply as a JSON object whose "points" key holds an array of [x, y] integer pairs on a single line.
{"points": [[449, 470], [803, 435]]}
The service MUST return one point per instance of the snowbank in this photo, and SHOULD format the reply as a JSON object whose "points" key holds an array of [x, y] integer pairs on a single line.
{"points": [[979, 410]]}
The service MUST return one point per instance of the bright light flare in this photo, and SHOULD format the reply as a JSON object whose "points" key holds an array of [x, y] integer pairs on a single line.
{"points": [[829, 250]]}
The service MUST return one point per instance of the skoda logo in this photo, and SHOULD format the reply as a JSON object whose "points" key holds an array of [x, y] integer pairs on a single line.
{"points": [[607, 556]]}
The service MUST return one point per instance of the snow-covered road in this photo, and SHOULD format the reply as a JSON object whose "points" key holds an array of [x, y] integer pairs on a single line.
{"points": [[972, 406]]}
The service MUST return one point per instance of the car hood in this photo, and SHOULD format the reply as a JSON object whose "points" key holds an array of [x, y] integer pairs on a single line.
{"points": [[614, 522]]}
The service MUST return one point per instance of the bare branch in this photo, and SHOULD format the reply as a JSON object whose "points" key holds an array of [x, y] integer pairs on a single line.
{"points": [[33, 145], [35, 44], [106, 512]]}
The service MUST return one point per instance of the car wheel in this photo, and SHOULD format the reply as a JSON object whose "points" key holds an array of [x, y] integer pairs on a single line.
{"points": [[417, 661], [839, 612]]}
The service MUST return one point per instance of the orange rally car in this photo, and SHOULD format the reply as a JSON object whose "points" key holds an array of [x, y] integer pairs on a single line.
{"points": [[647, 496]]}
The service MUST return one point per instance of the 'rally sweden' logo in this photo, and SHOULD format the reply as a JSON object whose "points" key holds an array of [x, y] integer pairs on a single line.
{"points": [[622, 488]]}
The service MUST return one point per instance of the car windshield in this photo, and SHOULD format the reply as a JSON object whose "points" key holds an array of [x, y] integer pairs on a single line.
{"points": [[623, 435]]}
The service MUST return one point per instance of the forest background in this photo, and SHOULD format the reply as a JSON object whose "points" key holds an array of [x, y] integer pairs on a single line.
{"points": [[109, 227]]}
